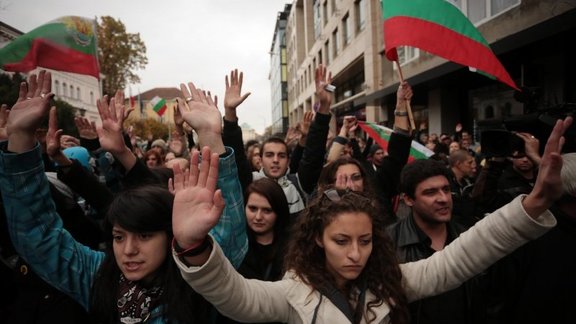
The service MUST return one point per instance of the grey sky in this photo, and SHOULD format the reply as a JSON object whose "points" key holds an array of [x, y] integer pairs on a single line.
{"points": [[193, 40]]}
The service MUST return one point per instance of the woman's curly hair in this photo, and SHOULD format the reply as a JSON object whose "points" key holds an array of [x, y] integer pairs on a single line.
{"points": [[381, 274]]}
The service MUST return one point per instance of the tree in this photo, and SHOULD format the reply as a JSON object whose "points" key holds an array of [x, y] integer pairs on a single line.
{"points": [[120, 54], [148, 126]]}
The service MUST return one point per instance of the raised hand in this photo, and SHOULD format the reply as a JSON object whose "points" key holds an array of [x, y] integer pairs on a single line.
{"points": [[305, 123], [26, 115], [404, 92], [233, 97], [4, 113], [86, 129], [322, 79], [548, 186], [197, 203], [112, 116], [200, 111], [531, 147], [53, 135]]}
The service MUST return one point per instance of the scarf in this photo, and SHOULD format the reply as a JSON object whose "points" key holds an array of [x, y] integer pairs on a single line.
{"points": [[295, 202], [135, 302]]}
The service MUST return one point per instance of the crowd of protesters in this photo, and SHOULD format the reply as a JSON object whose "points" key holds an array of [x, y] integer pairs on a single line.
{"points": [[303, 227]]}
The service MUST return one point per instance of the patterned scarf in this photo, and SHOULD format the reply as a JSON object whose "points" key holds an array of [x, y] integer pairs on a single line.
{"points": [[295, 202], [135, 302]]}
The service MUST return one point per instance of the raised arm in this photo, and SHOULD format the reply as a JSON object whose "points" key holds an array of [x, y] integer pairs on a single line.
{"points": [[315, 148], [232, 133], [35, 226], [498, 234], [199, 110]]}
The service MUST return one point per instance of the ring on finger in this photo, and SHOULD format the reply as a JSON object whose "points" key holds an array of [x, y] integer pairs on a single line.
{"points": [[28, 98], [188, 99], [42, 95]]}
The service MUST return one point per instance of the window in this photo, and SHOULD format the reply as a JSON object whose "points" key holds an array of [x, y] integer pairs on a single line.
{"points": [[320, 59], [71, 91], [336, 43], [333, 7], [57, 87], [327, 51], [78, 93], [360, 7], [346, 30], [481, 10], [64, 90], [317, 19], [406, 54], [91, 97], [325, 12]]}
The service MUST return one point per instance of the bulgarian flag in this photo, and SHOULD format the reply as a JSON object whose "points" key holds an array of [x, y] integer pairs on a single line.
{"points": [[440, 28], [66, 44], [381, 136], [159, 105]]}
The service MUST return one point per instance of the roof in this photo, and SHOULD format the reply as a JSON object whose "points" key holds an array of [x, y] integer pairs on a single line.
{"points": [[166, 93]]}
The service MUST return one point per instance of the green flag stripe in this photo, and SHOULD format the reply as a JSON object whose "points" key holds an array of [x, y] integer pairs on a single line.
{"points": [[436, 11]]}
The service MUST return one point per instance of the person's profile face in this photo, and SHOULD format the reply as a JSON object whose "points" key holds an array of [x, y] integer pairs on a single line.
{"points": [[347, 245], [139, 255]]}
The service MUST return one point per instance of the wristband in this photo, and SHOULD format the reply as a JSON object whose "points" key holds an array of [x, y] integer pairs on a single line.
{"points": [[194, 250], [400, 113]]}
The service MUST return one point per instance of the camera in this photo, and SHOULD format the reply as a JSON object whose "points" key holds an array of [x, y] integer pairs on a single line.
{"points": [[500, 143]]}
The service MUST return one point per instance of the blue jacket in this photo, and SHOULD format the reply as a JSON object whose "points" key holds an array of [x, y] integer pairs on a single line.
{"points": [[37, 233]]}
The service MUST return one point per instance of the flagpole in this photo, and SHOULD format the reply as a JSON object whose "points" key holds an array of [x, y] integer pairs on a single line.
{"points": [[408, 108], [97, 58]]}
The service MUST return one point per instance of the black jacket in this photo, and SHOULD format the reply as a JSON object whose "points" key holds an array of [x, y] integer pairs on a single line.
{"points": [[465, 304]]}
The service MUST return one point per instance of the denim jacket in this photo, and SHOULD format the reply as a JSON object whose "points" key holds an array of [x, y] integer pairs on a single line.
{"points": [[38, 236]]}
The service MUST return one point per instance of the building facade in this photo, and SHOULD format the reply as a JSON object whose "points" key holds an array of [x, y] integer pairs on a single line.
{"points": [[279, 74], [530, 37]]}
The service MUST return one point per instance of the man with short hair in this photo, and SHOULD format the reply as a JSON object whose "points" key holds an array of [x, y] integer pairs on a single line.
{"points": [[429, 228]]}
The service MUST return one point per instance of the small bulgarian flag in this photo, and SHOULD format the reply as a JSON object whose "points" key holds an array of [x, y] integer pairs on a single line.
{"points": [[159, 105], [66, 44], [381, 136], [440, 28]]}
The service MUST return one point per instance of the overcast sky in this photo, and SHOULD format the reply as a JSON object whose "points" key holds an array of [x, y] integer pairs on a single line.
{"points": [[186, 40]]}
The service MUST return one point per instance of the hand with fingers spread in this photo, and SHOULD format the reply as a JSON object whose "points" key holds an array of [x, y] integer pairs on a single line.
{"points": [[322, 79], [197, 203], [349, 124], [26, 115], [112, 116], [548, 186], [110, 132], [200, 111], [4, 113], [233, 97], [86, 129]]}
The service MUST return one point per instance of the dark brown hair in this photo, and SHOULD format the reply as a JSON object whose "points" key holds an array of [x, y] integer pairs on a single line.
{"points": [[381, 274]]}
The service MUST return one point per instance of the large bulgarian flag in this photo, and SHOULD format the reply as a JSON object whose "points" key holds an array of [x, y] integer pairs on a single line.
{"points": [[381, 136], [440, 28], [159, 105], [66, 44]]}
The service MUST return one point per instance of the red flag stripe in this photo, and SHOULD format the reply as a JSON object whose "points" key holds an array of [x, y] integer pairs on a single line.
{"points": [[465, 51]]}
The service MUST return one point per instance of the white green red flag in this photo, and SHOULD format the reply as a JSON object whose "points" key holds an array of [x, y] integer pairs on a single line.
{"points": [[158, 105], [66, 44], [440, 28], [381, 135]]}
